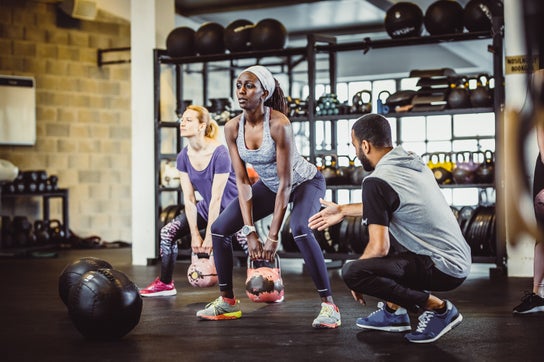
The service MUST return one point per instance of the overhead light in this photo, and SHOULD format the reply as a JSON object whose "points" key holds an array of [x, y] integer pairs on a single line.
{"points": [[79, 9]]}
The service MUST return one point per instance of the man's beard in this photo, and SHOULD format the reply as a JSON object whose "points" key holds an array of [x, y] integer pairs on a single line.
{"points": [[364, 161]]}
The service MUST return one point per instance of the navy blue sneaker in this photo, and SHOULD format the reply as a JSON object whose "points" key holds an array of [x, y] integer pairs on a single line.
{"points": [[382, 320], [433, 325]]}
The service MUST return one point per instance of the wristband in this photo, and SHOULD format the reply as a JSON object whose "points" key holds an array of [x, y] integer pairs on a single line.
{"points": [[272, 240]]}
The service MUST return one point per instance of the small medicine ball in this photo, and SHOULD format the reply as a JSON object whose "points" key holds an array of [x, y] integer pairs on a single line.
{"points": [[268, 34], [444, 17], [403, 20], [181, 42], [209, 39], [238, 35], [478, 14], [104, 305], [73, 272]]}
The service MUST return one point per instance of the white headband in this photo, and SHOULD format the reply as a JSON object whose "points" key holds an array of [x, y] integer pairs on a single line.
{"points": [[265, 77]]}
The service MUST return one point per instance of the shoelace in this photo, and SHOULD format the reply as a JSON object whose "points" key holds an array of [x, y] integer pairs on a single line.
{"points": [[326, 311], [381, 306], [424, 319], [528, 296]]}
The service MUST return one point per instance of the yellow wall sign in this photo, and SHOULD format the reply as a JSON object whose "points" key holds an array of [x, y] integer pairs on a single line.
{"points": [[519, 64]]}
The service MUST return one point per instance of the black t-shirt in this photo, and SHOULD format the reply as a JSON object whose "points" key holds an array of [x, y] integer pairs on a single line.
{"points": [[379, 201]]}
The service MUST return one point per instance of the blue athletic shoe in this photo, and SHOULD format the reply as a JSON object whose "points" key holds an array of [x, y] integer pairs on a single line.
{"points": [[382, 320], [433, 325]]}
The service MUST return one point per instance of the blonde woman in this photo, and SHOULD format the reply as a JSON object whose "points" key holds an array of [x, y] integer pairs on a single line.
{"points": [[204, 166]]}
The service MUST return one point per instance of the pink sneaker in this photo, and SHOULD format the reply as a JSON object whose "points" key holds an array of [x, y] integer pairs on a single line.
{"points": [[158, 289]]}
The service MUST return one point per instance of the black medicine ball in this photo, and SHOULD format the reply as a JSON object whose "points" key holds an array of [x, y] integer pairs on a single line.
{"points": [[104, 305], [403, 20], [181, 42], [74, 271], [268, 34], [238, 35], [444, 17], [209, 39], [478, 14]]}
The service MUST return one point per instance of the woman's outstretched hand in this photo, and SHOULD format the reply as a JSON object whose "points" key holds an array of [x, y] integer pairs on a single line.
{"points": [[330, 215]]}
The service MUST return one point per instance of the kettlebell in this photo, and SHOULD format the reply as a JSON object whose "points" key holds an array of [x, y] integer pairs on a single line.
{"points": [[362, 102], [441, 165], [459, 96], [329, 170], [343, 173], [201, 273], [485, 173], [381, 102], [465, 167], [481, 96], [264, 283], [56, 232], [41, 231]]}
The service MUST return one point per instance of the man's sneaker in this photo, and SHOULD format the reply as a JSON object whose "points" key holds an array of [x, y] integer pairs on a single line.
{"points": [[329, 317], [158, 289], [433, 325], [530, 303], [218, 310], [382, 320]]}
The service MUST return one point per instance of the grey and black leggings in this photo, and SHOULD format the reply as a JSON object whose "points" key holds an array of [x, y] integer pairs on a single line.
{"points": [[305, 200]]}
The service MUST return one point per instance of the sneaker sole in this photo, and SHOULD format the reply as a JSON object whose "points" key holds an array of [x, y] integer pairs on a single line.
{"points": [[166, 293], [534, 310], [448, 328], [386, 329], [327, 325], [226, 316]]}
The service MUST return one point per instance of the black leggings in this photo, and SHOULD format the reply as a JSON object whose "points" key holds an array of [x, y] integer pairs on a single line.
{"points": [[305, 199], [403, 278]]}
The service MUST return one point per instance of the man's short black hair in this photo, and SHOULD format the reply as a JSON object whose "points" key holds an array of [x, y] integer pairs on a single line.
{"points": [[374, 128]]}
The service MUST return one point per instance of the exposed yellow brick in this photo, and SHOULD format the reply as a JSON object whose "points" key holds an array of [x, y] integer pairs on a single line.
{"points": [[88, 55], [34, 34], [6, 46], [109, 88], [67, 84], [99, 73], [57, 67], [45, 50], [24, 48], [120, 72], [119, 132], [57, 36], [67, 145], [100, 191], [89, 176], [46, 113], [96, 102], [67, 115], [68, 53], [100, 41], [78, 161], [111, 146], [23, 16], [77, 100], [89, 145], [12, 31], [57, 130], [88, 85], [78, 38], [34, 65], [78, 70], [99, 131], [57, 161], [46, 145], [79, 131], [88, 116]]}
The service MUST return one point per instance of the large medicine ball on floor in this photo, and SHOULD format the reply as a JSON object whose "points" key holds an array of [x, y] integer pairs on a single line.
{"points": [[478, 14], [104, 305], [268, 34], [403, 20], [238, 35], [444, 17], [209, 39], [74, 271], [181, 42]]}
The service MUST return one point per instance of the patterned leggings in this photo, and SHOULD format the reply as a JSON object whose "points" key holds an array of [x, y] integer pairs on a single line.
{"points": [[171, 233]]}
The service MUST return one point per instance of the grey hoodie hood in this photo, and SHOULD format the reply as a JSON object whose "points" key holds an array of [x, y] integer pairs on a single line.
{"points": [[398, 156]]}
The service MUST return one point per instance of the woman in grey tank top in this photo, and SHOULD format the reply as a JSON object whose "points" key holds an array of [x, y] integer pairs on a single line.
{"points": [[262, 136]]}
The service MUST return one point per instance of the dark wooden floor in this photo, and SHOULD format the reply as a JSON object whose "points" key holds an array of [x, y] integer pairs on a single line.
{"points": [[34, 324]]}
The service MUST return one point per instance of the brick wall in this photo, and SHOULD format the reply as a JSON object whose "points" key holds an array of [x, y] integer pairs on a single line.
{"points": [[82, 114]]}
